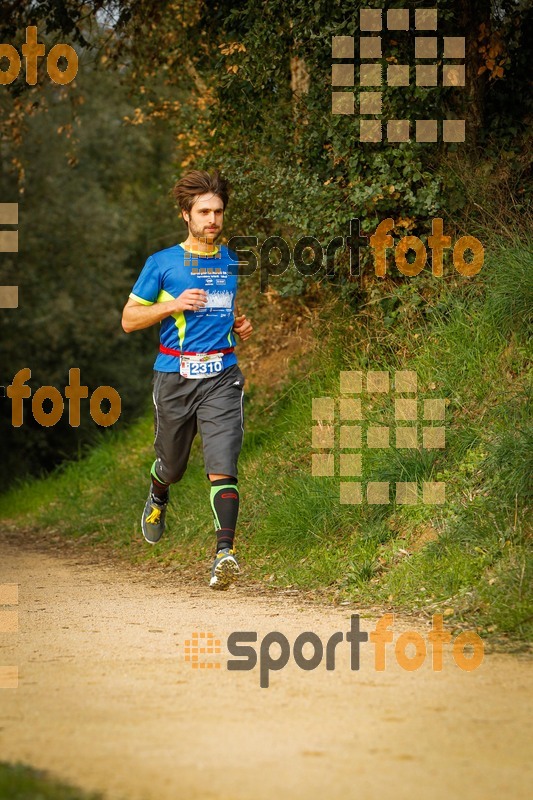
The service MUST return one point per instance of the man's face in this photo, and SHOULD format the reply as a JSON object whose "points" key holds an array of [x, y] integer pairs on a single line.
{"points": [[205, 218]]}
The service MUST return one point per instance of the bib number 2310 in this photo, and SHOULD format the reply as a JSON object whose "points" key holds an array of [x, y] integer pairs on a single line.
{"points": [[200, 366]]}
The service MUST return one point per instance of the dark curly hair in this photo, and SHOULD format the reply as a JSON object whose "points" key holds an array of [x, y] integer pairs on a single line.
{"points": [[197, 182]]}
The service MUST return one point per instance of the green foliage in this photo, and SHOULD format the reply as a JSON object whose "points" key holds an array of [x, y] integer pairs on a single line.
{"points": [[18, 782], [470, 556], [229, 85], [296, 166], [88, 220], [224, 80], [510, 459], [510, 300]]}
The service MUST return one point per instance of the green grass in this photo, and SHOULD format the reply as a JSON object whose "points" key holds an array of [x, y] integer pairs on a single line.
{"points": [[467, 340], [18, 782]]}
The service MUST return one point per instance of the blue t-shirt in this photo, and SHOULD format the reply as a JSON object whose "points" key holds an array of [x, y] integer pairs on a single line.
{"points": [[170, 272]]}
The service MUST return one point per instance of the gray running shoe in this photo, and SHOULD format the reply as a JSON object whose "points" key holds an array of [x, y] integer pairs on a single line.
{"points": [[153, 519], [225, 569]]}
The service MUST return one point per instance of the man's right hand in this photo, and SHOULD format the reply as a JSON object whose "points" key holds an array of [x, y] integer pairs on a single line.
{"points": [[190, 300], [137, 316]]}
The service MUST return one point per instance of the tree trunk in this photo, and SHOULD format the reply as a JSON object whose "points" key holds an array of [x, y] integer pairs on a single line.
{"points": [[472, 13]]}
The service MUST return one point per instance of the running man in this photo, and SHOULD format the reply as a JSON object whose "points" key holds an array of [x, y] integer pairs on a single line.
{"points": [[190, 289]]}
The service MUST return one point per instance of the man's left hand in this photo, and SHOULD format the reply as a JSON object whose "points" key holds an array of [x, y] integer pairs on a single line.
{"points": [[242, 327]]}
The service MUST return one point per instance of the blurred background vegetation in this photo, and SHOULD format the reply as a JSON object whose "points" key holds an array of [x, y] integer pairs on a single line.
{"points": [[175, 84], [246, 88]]}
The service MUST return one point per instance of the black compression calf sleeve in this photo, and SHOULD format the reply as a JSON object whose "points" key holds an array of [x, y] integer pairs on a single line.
{"points": [[225, 505]]}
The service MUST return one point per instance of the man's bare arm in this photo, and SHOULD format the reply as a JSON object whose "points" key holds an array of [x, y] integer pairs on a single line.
{"points": [[137, 316]]}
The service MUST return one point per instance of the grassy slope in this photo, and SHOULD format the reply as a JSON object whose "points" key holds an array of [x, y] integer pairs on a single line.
{"points": [[467, 558], [18, 782]]}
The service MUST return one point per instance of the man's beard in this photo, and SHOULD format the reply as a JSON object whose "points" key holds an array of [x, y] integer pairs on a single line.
{"points": [[202, 235]]}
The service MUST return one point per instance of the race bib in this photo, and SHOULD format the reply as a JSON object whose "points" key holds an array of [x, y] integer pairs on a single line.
{"points": [[201, 365]]}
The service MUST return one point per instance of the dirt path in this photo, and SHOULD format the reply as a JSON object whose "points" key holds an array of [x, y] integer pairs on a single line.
{"points": [[107, 701]]}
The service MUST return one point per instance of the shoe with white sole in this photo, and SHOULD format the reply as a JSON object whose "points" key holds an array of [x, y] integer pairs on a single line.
{"points": [[153, 519], [225, 569]]}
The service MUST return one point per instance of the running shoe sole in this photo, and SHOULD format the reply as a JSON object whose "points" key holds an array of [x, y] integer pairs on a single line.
{"points": [[226, 573]]}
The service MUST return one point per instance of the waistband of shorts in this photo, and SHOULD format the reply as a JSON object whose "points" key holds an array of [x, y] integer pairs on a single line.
{"points": [[168, 351]]}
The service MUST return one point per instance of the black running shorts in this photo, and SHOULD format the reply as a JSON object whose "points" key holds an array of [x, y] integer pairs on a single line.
{"points": [[182, 406]]}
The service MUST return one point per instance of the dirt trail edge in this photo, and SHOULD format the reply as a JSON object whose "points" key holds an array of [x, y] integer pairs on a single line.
{"points": [[107, 700]]}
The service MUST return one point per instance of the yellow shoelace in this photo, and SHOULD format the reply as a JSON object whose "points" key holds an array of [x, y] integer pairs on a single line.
{"points": [[221, 553], [153, 518]]}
